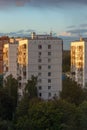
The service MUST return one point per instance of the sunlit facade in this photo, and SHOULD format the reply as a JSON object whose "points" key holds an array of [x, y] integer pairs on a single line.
{"points": [[79, 61], [10, 60], [3, 40]]}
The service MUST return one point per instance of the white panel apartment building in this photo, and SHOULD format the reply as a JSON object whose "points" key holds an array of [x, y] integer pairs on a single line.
{"points": [[41, 56], [79, 61], [10, 60]]}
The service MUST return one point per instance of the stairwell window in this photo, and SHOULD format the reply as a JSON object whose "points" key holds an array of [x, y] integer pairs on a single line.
{"points": [[39, 46], [49, 46]]}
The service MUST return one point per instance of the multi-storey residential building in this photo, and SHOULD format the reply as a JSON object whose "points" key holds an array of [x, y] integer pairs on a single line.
{"points": [[3, 40], [41, 56], [15, 40], [79, 61], [10, 60]]}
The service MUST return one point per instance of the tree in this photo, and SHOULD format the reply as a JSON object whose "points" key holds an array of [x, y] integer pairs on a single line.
{"points": [[49, 115], [22, 121], [1, 81], [31, 87], [83, 118], [11, 87], [3, 125], [23, 106], [44, 112], [6, 106], [70, 115], [72, 92]]}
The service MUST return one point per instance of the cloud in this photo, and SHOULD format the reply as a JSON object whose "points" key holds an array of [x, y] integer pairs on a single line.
{"points": [[72, 26], [64, 34], [80, 29], [41, 3], [56, 3], [83, 25], [77, 31], [30, 30], [19, 33]]}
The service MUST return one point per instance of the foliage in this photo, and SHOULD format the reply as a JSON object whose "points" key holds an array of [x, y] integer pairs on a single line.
{"points": [[83, 121], [6, 106], [3, 125], [32, 113], [22, 107], [31, 87], [72, 92], [11, 87], [1, 81], [50, 115]]}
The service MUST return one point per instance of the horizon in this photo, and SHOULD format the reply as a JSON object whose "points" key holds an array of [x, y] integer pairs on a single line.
{"points": [[67, 19]]}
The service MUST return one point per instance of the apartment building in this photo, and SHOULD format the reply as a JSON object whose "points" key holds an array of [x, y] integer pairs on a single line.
{"points": [[41, 56], [10, 60], [3, 40], [79, 61]]}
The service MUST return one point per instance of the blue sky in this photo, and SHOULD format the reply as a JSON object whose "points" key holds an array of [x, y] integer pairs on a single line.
{"points": [[66, 18]]}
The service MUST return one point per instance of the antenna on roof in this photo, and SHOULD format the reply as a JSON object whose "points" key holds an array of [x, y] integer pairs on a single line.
{"points": [[51, 32], [80, 36]]}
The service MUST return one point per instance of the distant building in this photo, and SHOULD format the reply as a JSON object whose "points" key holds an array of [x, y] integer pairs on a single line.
{"points": [[79, 61], [15, 40]]}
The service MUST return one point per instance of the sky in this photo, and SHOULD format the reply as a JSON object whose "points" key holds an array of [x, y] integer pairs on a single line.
{"points": [[65, 18]]}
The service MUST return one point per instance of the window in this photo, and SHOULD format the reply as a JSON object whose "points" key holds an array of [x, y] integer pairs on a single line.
{"points": [[49, 80], [49, 46], [39, 80], [19, 85], [24, 46], [6, 68], [40, 87], [49, 67], [19, 78], [49, 73], [40, 94], [39, 53], [24, 73], [49, 53], [39, 46], [49, 94], [39, 74], [49, 87], [49, 60], [39, 60], [40, 67]]}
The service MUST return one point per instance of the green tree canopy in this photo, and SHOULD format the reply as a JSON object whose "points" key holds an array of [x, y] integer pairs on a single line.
{"points": [[31, 87], [1, 81], [72, 92], [6, 106], [11, 87], [83, 118], [48, 115]]}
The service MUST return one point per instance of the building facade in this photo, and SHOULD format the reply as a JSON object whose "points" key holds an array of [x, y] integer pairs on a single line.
{"points": [[10, 60], [3, 40], [41, 56], [79, 62]]}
